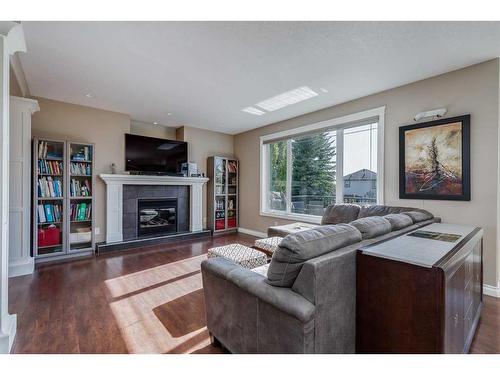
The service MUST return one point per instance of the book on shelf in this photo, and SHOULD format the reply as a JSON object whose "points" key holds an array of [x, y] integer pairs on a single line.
{"points": [[83, 154], [219, 205], [232, 166], [47, 150], [81, 211], [50, 167], [80, 188], [49, 213], [80, 168], [49, 187]]}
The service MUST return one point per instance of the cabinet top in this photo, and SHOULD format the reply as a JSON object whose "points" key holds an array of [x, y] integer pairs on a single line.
{"points": [[424, 246]]}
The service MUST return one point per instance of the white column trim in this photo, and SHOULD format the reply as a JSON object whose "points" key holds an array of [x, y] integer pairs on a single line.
{"points": [[20, 260], [11, 41], [196, 208]]}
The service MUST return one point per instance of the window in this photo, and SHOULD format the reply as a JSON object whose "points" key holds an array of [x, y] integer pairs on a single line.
{"points": [[360, 164], [305, 170]]}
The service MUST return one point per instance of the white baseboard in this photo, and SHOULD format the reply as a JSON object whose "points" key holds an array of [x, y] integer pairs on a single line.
{"points": [[493, 291], [252, 232], [21, 267]]}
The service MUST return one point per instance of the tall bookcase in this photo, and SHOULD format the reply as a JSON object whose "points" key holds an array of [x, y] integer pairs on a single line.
{"points": [[223, 201], [63, 208]]}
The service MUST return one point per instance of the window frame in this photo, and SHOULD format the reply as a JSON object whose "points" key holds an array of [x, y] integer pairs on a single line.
{"points": [[337, 124]]}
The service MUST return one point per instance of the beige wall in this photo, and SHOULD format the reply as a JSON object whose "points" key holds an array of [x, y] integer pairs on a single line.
{"points": [[202, 144], [150, 130], [15, 89], [473, 90], [105, 129]]}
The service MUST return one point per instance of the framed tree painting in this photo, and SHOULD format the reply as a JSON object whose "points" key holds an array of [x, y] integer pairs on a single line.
{"points": [[434, 160]]}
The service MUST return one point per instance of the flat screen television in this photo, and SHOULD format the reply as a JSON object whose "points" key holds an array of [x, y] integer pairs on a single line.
{"points": [[150, 155]]}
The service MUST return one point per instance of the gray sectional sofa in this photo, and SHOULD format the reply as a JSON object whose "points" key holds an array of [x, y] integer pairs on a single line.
{"points": [[306, 304]]}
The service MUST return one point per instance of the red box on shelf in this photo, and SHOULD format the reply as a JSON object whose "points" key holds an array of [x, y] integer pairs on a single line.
{"points": [[220, 224], [231, 223], [49, 236]]}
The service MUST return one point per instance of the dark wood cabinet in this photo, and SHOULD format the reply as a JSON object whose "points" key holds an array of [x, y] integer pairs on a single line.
{"points": [[454, 306], [408, 308]]}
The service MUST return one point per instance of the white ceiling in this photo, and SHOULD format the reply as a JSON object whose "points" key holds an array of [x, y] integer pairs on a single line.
{"points": [[205, 73]]}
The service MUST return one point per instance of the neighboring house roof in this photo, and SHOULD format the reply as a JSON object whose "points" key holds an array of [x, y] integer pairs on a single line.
{"points": [[361, 175]]}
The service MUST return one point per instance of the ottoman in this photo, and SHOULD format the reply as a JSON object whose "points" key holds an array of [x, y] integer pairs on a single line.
{"points": [[243, 255], [268, 245]]}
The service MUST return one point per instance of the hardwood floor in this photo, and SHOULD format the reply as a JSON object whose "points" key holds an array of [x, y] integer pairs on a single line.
{"points": [[140, 301], [487, 339]]}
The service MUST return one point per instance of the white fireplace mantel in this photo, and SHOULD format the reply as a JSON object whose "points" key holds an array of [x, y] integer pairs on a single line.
{"points": [[114, 199]]}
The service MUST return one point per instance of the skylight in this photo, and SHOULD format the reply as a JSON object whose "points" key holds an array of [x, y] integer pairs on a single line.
{"points": [[287, 98], [253, 111]]}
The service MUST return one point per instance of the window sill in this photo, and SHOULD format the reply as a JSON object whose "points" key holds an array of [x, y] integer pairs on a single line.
{"points": [[293, 217]]}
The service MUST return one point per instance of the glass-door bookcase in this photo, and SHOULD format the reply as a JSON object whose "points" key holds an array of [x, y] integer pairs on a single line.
{"points": [[222, 194], [63, 185]]}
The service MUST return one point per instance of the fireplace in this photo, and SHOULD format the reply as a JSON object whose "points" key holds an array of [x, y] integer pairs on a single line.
{"points": [[156, 216]]}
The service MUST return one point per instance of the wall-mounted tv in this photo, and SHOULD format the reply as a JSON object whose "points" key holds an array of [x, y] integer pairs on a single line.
{"points": [[150, 155]]}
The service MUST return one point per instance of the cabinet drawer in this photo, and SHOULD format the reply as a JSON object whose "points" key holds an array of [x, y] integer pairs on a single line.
{"points": [[468, 321], [468, 295], [469, 267]]}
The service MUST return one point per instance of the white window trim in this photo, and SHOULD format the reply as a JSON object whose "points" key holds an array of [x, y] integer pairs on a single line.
{"points": [[339, 123]]}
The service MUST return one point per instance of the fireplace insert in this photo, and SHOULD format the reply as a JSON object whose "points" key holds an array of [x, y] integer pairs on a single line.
{"points": [[157, 216]]}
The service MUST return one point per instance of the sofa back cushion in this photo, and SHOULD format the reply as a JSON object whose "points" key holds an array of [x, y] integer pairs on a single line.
{"points": [[295, 249], [372, 226], [418, 216], [381, 210], [340, 213], [398, 221]]}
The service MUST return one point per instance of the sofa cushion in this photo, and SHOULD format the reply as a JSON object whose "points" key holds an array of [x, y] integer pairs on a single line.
{"points": [[398, 221], [295, 249], [340, 213], [381, 210], [418, 216], [372, 226], [285, 230]]}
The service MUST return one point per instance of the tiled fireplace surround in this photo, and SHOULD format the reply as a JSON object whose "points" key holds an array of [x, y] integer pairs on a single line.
{"points": [[188, 190], [131, 195]]}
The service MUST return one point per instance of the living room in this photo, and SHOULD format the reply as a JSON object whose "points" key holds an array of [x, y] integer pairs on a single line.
{"points": [[208, 187]]}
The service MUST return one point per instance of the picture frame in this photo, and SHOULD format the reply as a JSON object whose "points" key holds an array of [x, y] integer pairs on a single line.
{"points": [[434, 160]]}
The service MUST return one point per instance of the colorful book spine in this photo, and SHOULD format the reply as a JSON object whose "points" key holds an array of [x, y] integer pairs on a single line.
{"points": [[48, 213]]}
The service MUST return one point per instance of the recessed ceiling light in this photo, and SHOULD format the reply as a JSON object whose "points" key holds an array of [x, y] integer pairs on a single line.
{"points": [[89, 95], [168, 114], [253, 111], [287, 98], [324, 90], [155, 123]]}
